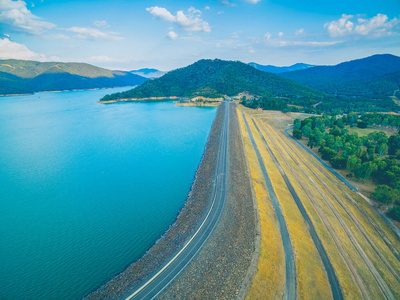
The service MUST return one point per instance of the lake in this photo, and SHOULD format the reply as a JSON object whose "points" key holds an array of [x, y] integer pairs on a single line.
{"points": [[87, 188]]}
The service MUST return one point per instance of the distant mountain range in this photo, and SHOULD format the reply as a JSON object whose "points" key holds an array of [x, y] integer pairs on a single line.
{"points": [[22, 77], [277, 70], [148, 73], [373, 76], [215, 78]]}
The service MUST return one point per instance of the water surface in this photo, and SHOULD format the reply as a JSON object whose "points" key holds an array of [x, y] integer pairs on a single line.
{"points": [[87, 188]]}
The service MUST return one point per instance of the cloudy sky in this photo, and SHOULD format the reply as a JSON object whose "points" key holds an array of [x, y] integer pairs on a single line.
{"points": [[166, 34]]}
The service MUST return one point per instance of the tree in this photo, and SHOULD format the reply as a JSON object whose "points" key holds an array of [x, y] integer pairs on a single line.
{"points": [[339, 162], [386, 194], [381, 149], [335, 131], [362, 124], [306, 130], [327, 153], [394, 213], [394, 144], [297, 134]]}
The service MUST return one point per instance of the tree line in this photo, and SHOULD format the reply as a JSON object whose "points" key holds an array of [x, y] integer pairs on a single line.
{"points": [[373, 156]]}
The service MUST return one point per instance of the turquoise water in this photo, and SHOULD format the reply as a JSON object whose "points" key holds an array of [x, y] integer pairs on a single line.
{"points": [[87, 188]]}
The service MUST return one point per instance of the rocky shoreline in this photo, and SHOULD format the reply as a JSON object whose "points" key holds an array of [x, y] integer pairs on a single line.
{"points": [[196, 206], [224, 267]]}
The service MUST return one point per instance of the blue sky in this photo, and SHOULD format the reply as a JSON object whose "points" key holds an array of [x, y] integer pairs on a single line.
{"points": [[167, 34]]}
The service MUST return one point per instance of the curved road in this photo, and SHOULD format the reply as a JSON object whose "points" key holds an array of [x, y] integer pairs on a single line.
{"points": [[153, 286]]}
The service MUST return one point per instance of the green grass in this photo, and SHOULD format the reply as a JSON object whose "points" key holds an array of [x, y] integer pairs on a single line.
{"points": [[365, 131]]}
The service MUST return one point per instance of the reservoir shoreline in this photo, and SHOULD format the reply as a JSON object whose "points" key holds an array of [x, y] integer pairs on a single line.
{"points": [[196, 205]]}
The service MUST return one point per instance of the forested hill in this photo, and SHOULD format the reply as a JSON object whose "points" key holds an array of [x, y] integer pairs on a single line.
{"points": [[352, 77], [22, 76], [215, 78]]}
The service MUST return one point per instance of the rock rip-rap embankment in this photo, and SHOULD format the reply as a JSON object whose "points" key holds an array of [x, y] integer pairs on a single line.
{"points": [[219, 270]]}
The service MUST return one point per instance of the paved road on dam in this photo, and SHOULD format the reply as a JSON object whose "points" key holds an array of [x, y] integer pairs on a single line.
{"points": [[153, 286]]}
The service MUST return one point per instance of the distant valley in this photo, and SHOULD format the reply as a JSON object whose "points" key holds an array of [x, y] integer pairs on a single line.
{"points": [[148, 73]]}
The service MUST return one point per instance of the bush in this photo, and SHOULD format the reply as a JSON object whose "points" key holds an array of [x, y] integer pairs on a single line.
{"points": [[297, 134], [386, 194], [339, 162], [394, 213]]}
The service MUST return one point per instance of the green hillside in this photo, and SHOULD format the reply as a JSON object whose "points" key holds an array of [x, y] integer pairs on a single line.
{"points": [[215, 78], [355, 75], [360, 85], [22, 76]]}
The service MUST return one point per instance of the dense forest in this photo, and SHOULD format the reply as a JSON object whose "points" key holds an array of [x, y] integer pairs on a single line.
{"points": [[375, 156], [24, 76], [216, 78]]}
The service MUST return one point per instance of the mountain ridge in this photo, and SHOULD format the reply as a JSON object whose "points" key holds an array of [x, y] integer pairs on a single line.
{"points": [[278, 70], [25, 77]]}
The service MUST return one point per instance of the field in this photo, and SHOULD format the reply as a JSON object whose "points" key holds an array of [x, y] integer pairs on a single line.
{"points": [[342, 247], [366, 131]]}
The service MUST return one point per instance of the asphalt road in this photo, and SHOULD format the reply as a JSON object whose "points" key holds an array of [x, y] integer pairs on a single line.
{"points": [[152, 287]]}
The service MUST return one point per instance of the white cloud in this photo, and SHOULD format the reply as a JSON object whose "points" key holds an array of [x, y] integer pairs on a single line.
{"points": [[172, 35], [190, 21], [235, 35], [280, 43], [376, 26], [252, 1], [280, 34], [267, 35], [104, 59], [13, 50], [16, 14], [207, 8], [93, 34], [300, 32], [227, 3], [101, 23], [340, 27], [58, 36]]}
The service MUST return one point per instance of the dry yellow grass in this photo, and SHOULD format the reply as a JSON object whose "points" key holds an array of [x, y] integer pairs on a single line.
{"points": [[270, 277], [349, 287], [372, 234], [311, 277], [299, 180], [361, 239]]}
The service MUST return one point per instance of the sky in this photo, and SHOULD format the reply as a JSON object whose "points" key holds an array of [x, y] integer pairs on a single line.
{"points": [[168, 34]]}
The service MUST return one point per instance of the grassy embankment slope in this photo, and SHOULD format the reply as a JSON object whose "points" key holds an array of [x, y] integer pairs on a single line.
{"points": [[311, 279], [23, 76], [361, 246]]}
